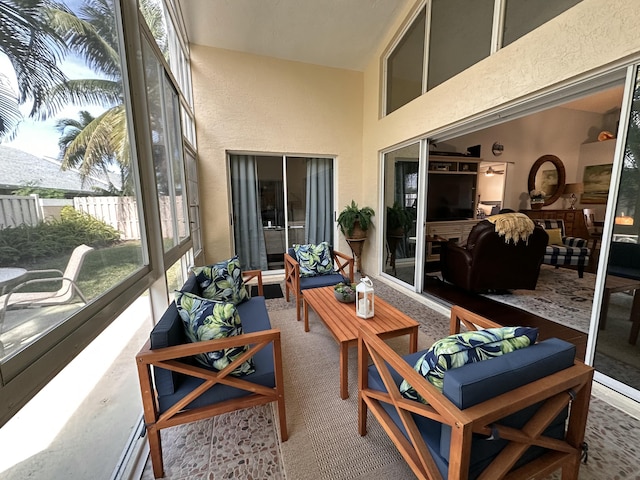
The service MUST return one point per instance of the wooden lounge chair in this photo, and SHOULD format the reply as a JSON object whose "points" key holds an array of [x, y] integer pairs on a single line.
{"points": [[519, 415]]}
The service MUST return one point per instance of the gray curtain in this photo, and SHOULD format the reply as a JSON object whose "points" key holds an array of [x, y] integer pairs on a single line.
{"points": [[247, 219], [319, 204]]}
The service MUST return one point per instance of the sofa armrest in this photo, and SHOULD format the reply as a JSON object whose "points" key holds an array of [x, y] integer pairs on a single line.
{"points": [[575, 242], [344, 264], [250, 275]]}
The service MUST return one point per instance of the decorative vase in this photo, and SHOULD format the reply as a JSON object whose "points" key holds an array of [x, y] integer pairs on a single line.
{"points": [[537, 204]]}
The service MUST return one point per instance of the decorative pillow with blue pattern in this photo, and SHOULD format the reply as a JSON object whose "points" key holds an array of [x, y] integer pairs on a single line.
{"points": [[474, 346], [314, 259], [204, 319], [222, 281]]}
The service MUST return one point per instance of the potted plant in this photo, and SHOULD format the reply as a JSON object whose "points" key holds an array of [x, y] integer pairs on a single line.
{"points": [[399, 220], [354, 221]]}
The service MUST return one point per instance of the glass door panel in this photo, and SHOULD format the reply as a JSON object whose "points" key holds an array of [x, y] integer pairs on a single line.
{"points": [[616, 353], [401, 169], [279, 201]]}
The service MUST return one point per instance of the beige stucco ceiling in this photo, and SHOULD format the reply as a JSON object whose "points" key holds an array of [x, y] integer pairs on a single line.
{"points": [[335, 33]]}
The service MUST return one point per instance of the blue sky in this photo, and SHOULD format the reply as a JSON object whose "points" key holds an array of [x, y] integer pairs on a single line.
{"points": [[41, 138]]}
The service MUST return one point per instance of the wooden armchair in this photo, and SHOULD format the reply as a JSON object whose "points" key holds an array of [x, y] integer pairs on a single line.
{"points": [[527, 431], [182, 391], [294, 283]]}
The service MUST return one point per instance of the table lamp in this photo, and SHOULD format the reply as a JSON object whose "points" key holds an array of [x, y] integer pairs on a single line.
{"points": [[570, 190]]}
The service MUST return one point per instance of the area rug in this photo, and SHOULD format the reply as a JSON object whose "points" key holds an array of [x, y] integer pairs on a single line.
{"points": [[324, 442], [560, 296], [271, 291]]}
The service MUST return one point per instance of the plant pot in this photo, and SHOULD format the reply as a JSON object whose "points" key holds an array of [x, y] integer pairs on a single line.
{"points": [[537, 205], [358, 233]]}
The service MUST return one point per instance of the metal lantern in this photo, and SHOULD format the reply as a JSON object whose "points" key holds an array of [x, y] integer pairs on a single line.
{"points": [[364, 298]]}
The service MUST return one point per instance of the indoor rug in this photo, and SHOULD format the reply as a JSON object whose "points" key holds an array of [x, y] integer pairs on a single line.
{"points": [[323, 438], [271, 291], [560, 296]]}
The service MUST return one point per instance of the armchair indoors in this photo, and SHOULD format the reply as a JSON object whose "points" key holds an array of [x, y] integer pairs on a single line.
{"points": [[519, 415], [340, 268], [563, 250], [43, 278], [488, 262]]}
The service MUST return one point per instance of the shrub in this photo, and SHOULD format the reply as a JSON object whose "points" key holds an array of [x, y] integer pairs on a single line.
{"points": [[26, 243]]}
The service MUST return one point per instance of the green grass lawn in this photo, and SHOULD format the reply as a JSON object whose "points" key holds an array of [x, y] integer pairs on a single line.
{"points": [[102, 268]]}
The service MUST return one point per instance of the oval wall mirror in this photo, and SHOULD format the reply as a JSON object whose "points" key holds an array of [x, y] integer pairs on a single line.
{"points": [[547, 174]]}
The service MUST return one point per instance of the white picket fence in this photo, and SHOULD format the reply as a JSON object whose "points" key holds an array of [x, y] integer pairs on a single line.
{"points": [[18, 210], [119, 212]]}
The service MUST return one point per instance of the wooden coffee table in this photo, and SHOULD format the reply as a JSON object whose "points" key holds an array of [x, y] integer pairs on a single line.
{"points": [[343, 324], [615, 284]]}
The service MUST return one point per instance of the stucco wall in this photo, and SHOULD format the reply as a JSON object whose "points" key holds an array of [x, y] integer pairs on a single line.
{"points": [[585, 39], [251, 103]]}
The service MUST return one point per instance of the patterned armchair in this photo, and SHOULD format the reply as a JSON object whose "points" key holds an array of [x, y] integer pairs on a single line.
{"points": [[569, 251]]}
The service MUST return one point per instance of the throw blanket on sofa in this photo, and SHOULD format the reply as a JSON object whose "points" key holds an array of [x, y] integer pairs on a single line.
{"points": [[516, 226]]}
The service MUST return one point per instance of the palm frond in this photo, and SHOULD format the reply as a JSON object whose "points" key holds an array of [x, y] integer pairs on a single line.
{"points": [[83, 92]]}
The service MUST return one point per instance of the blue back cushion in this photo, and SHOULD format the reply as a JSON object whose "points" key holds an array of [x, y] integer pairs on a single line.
{"points": [[167, 332]]}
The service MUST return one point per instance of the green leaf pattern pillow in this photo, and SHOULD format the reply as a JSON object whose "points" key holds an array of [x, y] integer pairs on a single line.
{"points": [[204, 319], [222, 281], [474, 346], [314, 259]]}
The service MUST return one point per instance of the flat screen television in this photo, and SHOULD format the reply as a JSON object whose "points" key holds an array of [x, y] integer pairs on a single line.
{"points": [[450, 196]]}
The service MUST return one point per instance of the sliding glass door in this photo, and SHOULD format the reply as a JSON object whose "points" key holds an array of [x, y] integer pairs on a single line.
{"points": [[616, 352], [279, 201], [401, 175]]}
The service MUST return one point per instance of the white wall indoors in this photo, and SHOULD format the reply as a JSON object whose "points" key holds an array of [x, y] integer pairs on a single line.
{"points": [[557, 131]]}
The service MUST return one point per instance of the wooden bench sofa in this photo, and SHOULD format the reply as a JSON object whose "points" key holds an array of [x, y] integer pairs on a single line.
{"points": [[519, 415], [183, 391]]}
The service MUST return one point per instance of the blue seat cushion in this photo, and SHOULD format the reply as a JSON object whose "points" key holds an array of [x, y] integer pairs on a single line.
{"points": [[254, 317], [321, 281]]}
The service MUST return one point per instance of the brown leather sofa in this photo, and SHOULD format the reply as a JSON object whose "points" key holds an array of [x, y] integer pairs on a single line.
{"points": [[487, 263]]}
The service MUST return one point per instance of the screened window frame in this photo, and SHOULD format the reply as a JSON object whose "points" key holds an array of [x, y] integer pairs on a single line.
{"points": [[497, 36], [23, 375]]}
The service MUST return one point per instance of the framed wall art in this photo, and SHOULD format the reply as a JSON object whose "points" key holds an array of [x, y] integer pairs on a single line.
{"points": [[596, 182]]}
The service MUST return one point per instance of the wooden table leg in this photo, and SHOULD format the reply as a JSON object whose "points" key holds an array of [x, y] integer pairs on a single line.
{"points": [[305, 309], [604, 309], [413, 340], [635, 318], [344, 372]]}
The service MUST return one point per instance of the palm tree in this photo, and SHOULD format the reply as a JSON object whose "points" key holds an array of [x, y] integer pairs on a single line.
{"points": [[93, 144], [34, 48], [86, 138]]}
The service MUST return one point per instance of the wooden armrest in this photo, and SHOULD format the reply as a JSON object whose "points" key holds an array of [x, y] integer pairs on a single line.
{"points": [[345, 264], [151, 356], [249, 275], [472, 321], [291, 273]]}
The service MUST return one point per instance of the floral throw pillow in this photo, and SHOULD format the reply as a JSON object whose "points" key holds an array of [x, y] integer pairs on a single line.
{"points": [[474, 346], [208, 320], [222, 281], [314, 259]]}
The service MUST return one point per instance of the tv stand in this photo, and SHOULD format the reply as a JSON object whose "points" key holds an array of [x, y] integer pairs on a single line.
{"points": [[454, 230]]}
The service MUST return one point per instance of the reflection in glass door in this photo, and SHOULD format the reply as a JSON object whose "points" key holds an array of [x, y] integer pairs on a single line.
{"points": [[401, 168], [279, 201], [617, 354]]}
